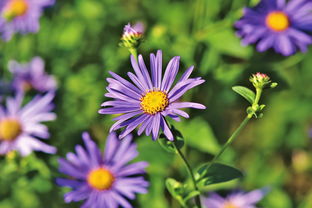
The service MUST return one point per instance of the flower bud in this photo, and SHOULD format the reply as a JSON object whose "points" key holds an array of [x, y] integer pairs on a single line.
{"points": [[132, 36], [260, 80]]}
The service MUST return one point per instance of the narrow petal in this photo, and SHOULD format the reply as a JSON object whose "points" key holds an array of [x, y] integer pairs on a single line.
{"points": [[182, 90], [166, 129], [187, 74], [134, 123], [138, 72], [145, 72], [156, 124], [187, 105], [170, 73], [125, 82]]}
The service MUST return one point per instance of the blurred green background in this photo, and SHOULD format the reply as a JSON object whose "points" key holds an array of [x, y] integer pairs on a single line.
{"points": [[79, 39]]}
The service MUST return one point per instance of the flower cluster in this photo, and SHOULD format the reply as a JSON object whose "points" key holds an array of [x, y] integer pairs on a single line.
{"points": [[143, 101], [21, 125]]}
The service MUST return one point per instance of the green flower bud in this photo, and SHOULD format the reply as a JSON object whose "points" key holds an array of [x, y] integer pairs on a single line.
{"points": [[260, 80]]}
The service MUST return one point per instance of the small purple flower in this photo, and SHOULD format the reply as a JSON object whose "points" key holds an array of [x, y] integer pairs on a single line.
{"points": [[20, 126], [236, 199], [20, 16], [277, 24], [31, 76], [132, 35], [103, 180], [151, 98]]}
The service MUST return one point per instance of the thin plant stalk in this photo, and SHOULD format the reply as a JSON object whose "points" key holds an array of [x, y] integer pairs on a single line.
{"points": [[189, 169]]}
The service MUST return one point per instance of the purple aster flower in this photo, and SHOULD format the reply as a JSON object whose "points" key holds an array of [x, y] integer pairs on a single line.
{"points": [[277, 24], [31, 76], [236, 199], [151, 98], [20, 16], [20, 126], [103, 180]]}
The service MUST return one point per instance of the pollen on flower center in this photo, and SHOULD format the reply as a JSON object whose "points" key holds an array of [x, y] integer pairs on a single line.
{"points": [[100, 179], [277, 21], [26, 86], [154, 102], [229, 205], [10, 129], [15, 8]]}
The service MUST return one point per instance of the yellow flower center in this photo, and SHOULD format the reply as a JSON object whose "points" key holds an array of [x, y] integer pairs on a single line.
{"points": [[10, 129], [277, 21], [229, 205], [154, 102], [15, 8], [100, 179], [27, 86]]}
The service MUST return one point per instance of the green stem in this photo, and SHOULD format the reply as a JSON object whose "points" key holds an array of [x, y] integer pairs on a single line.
{"points": [[230, 140], [258, 95], [238, 130], [134, 52], [189, 169]]}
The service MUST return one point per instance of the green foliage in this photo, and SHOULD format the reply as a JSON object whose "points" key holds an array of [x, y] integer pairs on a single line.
{"points": [[180, 191], [216, 173], [246, 93]]}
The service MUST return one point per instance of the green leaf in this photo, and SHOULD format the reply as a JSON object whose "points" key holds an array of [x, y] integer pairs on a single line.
{"points": [[217, 173], [176, 189], [191, 194], [181, 192], [246, 93], [171, 146]]}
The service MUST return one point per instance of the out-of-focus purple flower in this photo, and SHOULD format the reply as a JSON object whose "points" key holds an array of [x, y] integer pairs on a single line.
{"points": [[21, 16], [21, 126], [277, 24], [31, 76], [237, 199], [103, 180], [151, 98], [132, 35]]}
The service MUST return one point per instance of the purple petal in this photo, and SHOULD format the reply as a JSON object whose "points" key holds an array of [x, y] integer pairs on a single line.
{"points": [[170, 73], [156, 124], [134, 123], [145, 72], [187, 105], [187, 74], [138, 72], [121, 119], [166, 129], [125, 82]]}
